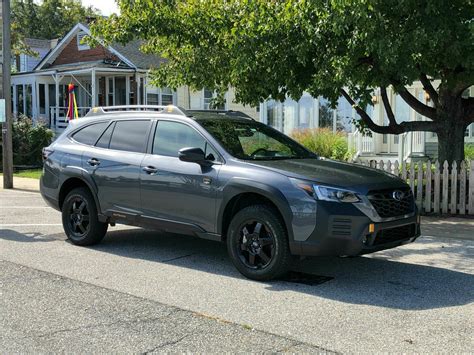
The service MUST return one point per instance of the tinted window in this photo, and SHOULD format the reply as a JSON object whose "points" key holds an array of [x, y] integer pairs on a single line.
{"points": [[90, 134], [170, 137], [130, 136], [250, 140], [104, 140]]}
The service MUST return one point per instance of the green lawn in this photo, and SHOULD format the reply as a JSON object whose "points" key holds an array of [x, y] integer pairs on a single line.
{"points": [[33, 174]]}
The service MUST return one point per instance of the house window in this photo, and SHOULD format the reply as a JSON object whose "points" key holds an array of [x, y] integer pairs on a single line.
{"points": [[166, 96], [81, 46], [120, 91], [42, 99], [152, 99], [110, 93], [208, 96]]}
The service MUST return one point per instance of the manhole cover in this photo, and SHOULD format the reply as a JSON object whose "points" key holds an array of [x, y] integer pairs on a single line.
{"points": [[306, 279]]}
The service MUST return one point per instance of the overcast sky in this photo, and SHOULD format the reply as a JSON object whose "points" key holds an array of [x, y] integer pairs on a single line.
{"points": [[107, 7]]}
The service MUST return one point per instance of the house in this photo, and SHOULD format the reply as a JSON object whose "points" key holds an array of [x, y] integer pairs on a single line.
{"points": [[310, 112], [103, 76]]}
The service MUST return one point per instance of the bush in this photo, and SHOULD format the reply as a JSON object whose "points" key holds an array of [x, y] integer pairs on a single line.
{"points": [[469, 152], [28, 141], [324, 142]]}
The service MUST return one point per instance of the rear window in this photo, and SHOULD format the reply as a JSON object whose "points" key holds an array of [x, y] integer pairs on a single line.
{"points": [[130, 136], [89, 134]]}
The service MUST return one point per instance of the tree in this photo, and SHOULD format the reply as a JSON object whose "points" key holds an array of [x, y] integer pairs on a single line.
{"points": [[325, 47], [49, 19]]}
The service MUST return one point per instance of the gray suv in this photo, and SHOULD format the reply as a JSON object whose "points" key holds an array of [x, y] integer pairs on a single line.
{"points": [[220, 175]]}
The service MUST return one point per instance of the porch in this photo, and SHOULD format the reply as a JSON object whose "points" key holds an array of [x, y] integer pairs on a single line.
{"points": [[43, 95]]}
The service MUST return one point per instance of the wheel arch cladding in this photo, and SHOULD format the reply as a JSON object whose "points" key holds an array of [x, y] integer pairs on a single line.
{"points": [[72, 183], [240, 195]]}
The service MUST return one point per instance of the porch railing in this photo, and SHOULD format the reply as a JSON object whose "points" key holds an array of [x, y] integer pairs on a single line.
{"points": [[361, 144], [58, 120]]}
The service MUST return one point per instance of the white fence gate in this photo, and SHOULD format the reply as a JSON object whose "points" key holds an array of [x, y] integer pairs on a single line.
{"points": [[438, 188]]}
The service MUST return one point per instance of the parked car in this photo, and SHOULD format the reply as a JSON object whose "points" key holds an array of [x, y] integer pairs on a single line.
{"points": [[220, 175]]}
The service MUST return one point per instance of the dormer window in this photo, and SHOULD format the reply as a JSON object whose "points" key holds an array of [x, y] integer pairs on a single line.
{"points": [[81, 46]]}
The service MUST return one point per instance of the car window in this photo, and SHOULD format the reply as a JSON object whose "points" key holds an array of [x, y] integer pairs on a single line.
{"points": [[104, 140], [89, 134], [130, 136], [170, 137]]}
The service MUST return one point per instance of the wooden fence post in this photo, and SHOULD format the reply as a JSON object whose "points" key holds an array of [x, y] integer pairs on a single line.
{"points": [[444, 197], [412, 178], [404, 171], [437, 188], [454, 188], [462, 188], [471, 188], [428, 187], [419, 186]]}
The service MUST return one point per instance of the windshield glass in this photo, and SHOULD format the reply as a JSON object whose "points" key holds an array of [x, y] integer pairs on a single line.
{"points": [[250, 140]]}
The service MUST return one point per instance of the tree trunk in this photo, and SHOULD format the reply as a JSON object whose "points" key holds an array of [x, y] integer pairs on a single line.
{"points": [[451, 141]]}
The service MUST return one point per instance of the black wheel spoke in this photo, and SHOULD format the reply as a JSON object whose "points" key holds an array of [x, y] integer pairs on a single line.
{"points": [[257, 229], [252, 259], [265, 258], [264, 241], [81, 206], [245, 231], [81, 228]]}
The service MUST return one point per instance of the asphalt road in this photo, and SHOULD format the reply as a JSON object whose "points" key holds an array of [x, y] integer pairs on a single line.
{"points": [[142, 291]]}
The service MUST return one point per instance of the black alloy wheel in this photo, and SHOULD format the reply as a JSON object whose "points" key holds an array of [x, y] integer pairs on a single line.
{"points": [[80, 218], [256, 244]]}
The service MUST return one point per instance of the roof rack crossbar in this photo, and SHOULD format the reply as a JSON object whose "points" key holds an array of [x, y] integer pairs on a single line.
{"points": [[170, 109]]}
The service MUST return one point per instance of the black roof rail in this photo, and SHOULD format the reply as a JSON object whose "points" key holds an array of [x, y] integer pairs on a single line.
{"points": [[222, 112]]}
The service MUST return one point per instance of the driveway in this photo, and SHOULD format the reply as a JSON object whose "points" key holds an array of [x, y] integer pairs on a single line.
{"points": [[417, 298]]}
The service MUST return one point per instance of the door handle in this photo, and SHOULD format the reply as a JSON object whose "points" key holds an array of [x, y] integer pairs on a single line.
{"points": [[150, 170], [93, 162]]}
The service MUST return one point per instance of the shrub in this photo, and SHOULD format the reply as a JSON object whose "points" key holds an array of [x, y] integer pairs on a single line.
{"points": [[28, 141], [324, 142], [469, 151]]}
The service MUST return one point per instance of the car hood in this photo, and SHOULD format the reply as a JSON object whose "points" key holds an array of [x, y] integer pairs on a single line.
{"points": [[334, 173]]}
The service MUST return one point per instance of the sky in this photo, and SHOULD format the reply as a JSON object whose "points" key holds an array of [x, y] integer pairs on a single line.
{"points": [[106, 7]]}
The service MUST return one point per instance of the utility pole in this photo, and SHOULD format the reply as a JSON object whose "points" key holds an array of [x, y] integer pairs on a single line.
{"points": [[7, 125]]}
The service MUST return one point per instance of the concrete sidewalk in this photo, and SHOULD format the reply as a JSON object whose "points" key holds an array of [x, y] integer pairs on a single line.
{"points": [[443, 227]]}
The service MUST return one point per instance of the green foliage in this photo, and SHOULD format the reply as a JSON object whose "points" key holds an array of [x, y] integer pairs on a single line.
{"points": [[48, 19], [32, 174], [324, 142], [28, 141], [469, 151]]}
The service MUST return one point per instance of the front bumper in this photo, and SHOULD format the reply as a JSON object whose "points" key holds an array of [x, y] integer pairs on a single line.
{"points": [[347, 233]]}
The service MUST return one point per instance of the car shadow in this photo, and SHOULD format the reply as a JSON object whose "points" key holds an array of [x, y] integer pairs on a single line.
{"points": [[12, 235], [374, 280]]}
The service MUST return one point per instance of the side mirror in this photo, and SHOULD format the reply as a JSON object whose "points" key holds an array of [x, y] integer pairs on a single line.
{"points": [[193, 155]]}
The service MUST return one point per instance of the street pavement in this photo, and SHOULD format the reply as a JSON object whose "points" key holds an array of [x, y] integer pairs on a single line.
{"points": [[143, 291]]}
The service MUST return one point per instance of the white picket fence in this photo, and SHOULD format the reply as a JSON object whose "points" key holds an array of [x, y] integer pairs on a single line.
{"points": [[437, 188]]}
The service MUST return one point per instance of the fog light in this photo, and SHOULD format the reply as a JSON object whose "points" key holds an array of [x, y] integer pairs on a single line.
{"points": [[371, 228]]}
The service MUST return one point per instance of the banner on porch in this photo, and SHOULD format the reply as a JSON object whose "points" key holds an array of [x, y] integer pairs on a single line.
{"points": [[72, 112]]}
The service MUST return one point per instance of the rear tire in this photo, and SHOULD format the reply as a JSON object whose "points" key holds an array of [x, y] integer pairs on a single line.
{"points": [[80, 218], [257, 243]]}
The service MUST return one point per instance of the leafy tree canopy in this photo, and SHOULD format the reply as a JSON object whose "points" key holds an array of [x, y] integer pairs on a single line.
{"points": [[48, 19], [281, 48]]}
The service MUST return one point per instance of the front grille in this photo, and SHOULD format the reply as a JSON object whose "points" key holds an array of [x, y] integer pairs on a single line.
{"points": [[387, 206], [395, 234]]}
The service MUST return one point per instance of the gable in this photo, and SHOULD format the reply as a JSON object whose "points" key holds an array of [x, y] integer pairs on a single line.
{"points": [[74, 52]]}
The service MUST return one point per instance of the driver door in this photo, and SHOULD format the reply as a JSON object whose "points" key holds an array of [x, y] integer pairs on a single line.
{"points": [[177, 193]]}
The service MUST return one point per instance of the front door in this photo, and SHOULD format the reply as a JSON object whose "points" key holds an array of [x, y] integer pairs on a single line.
{"points": [[179, 195], [114, 165]]}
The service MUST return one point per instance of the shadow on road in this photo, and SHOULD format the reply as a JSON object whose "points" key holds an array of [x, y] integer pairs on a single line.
{"points": [[364, 280], [12, 235]]}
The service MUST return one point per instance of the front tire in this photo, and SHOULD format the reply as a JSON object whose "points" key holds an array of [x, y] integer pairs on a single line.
{"points": [[257, 243], [80, 218]]}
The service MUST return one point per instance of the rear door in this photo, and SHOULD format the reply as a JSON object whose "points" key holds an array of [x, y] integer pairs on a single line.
{"points": [[114, 165], [174, 191]]}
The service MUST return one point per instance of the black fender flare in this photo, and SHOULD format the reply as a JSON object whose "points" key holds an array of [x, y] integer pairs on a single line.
{"points": [[240, 186]]}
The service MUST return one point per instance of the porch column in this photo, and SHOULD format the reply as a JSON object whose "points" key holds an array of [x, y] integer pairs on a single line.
{"points": [[93, 86], [137, 94], [34, 100], [56, 118], [127, 90]]}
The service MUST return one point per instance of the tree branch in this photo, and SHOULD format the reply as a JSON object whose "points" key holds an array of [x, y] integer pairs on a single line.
{"points": [[417, 105], [388, 109], [428, 86], [410, 126]]}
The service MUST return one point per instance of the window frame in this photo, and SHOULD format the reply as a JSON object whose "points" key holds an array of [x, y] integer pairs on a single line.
{"points": [[219, 159]]}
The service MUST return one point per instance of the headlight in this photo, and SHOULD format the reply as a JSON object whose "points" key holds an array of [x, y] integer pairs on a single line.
{"points": [[326, 193]]}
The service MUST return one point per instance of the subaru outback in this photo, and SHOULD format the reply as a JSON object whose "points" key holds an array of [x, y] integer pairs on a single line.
{"points": [[223, 176]]}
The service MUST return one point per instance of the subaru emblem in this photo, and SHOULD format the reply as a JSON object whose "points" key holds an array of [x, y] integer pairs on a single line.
{"points": [[398, 195]]}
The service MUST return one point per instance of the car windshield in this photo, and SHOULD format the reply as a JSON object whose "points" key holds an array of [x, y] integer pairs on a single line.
{"points": [[250, 140]]}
